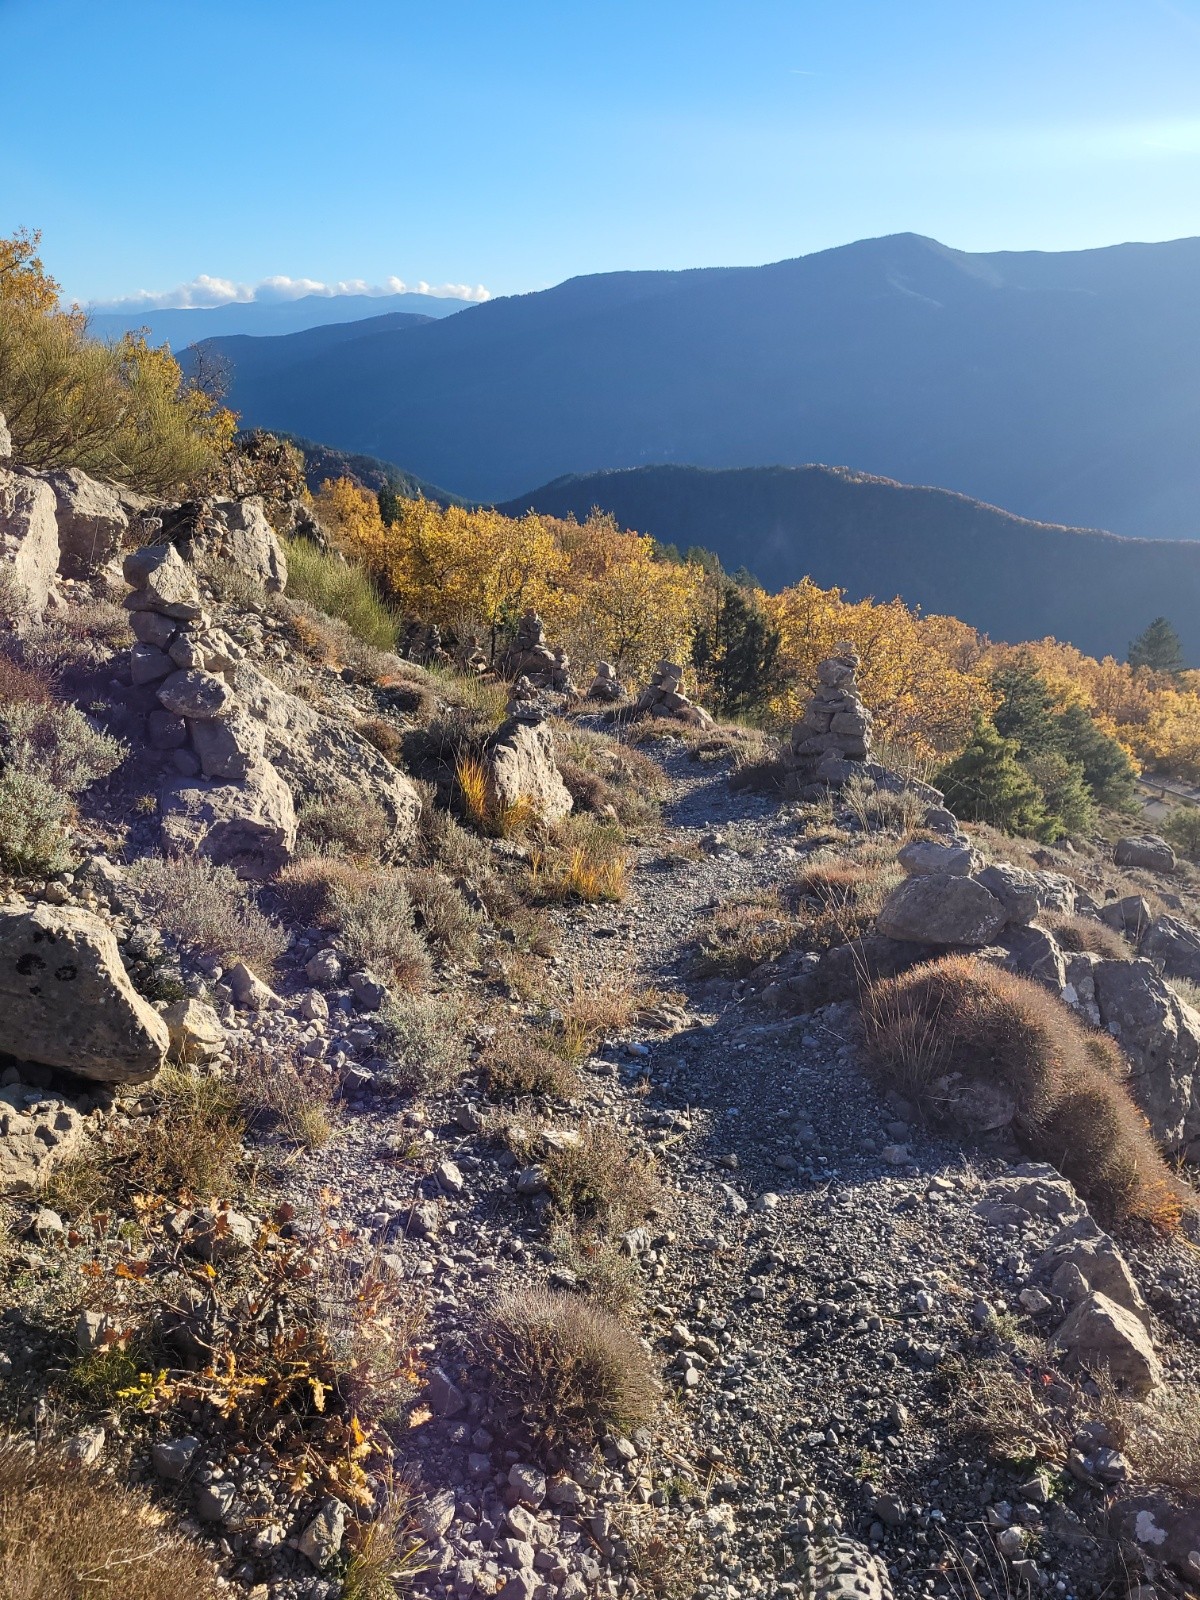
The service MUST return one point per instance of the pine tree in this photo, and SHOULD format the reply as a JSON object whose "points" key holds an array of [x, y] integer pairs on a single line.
{"points": [[987, 783], [735, 650], [1026, 709], [1158, 647], [1107, 769]]}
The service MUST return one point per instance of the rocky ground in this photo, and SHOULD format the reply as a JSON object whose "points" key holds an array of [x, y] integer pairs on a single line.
{"points": [[262, 1282]]}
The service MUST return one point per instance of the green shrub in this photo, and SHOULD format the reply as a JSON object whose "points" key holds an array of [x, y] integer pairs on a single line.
{"points": [[987, 783], [59, 744], [375, 916], [425, 1038], [52, 754], [1182, 829], [33, 843], [211, 909], [341, 590]]}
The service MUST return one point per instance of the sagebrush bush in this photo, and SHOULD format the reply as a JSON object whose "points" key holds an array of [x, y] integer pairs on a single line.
{"points": [[425, 1037], [375, 917], [33, 815], [59, 744], [446, 921], [347, 823], [601, 1180], [70, 1534], [965, 1017], [564, 1372], [516, 1063], [51, 753], [209, 908], [745, 931]]}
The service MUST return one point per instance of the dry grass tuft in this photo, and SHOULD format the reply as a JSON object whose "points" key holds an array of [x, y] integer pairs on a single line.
{"points": [[291, 1096], [1085, 934], [565, 1372], [599, 1180], [209, 908], [745, 931], [594, 1012], [583, 859], [479, 804], [67, 1534], [968, 1019]]}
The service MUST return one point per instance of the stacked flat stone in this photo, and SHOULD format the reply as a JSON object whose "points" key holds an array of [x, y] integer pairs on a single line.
{"points": [[835, 727], [229, 800], [422, 642], [531, 657], [606, 685], [471, 656], [663, 696]]}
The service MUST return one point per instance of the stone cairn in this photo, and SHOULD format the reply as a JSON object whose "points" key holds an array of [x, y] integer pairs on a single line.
{"points": [[663, 696], [606, 685], [531, 657], [422, 642], [834, 732], [470, 657]]}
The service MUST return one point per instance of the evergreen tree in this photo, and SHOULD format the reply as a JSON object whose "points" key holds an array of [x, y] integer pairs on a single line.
{"points": [[1158, 647], [1065, 795], [1107, 769], [735, 650], [1026, 709], [389, 505], [987, 783]]}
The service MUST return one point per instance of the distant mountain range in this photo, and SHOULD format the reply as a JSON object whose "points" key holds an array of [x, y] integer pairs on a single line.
{"points": [[179, 328], [323, 464], [1065, 387]]}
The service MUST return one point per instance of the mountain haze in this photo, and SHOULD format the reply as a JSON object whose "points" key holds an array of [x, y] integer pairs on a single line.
{"points": [[1063, 386], [181, 327], [1011, 578]]}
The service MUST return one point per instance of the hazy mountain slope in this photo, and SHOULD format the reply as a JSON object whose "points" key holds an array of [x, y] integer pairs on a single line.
{"points": [[944, 552], [266, 317], [1066, 387], [321, 463], [248, 358]]}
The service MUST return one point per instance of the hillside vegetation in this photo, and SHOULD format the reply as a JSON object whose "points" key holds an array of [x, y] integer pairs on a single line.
{"points": [[1005, 575]]}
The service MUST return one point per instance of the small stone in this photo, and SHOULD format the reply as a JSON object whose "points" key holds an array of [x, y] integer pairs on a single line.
{"points": [[250, 993], [368, 991], [324, 967], [173, 1457], [443, 1395], [322, 1539], [530, 1484], [449, 1178], [86, 1447], [1034, 1301], [47, 1224]]}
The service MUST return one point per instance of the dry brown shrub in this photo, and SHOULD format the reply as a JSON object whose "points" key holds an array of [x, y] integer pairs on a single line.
{"points": [[969, 1018], [19, 683], [517, 1063], [385, 736], [443, 916], [307, 886], [1086, 934], [564, 1372], [348, 823], [67, 1534], [290, 1095], [600, 1180], [743, 932]]}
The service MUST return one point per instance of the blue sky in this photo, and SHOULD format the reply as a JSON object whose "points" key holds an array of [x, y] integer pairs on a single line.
{"points": [[514, 145]]}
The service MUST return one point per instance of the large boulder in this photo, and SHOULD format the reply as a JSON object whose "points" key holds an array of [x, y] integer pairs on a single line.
{"points": [[1102, 1336], [1146, 850], [1016, 890], [249, 825], [941, 909], [1034, 953], [66, 1000], [1164, 1525], [239, 532], [521, 771], [91, 522], [321, 758], [163, 582], [1173, 945], [1160, 1035], [28, 539]]}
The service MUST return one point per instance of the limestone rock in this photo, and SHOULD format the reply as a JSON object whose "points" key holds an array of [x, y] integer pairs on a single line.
{"points": [[521, 771], [28, 538], [1035, 953], [242, 535], [228, 746], [5, 439], [249, 991], [835, 725], [320, 758], [197, 695], [941, 909], [1056, 892], [1160, 1035], [165, 731], [1173, 945], [91, 522], [1016, 890], [149, 628], [1085, 1249], [195, 1029], [1146, 850], [162, 582], [66, 1000], [37, 1129], [1102, 1336], [920, 857], [250, 825]]}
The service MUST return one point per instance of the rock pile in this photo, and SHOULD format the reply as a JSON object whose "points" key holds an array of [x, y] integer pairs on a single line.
{"points": [[833, 734], [663, 696], [529, 656], [606, 685], [422, 642]]}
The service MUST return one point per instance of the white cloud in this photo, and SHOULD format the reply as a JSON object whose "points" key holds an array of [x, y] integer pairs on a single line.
{"points": [[209, 291]]}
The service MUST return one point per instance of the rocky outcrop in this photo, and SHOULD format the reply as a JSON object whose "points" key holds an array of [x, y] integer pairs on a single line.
{"points": [[28, 539], [1103, 1337], [38, 1129], [66, 1000], [1016, 890], [1160, 1035], [663, 696], [522, 773], [1145, 850], [835, 726], [942, 908], [1174, 947], [321, 758], [92, 523], [249, 825], [234, 531]]}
